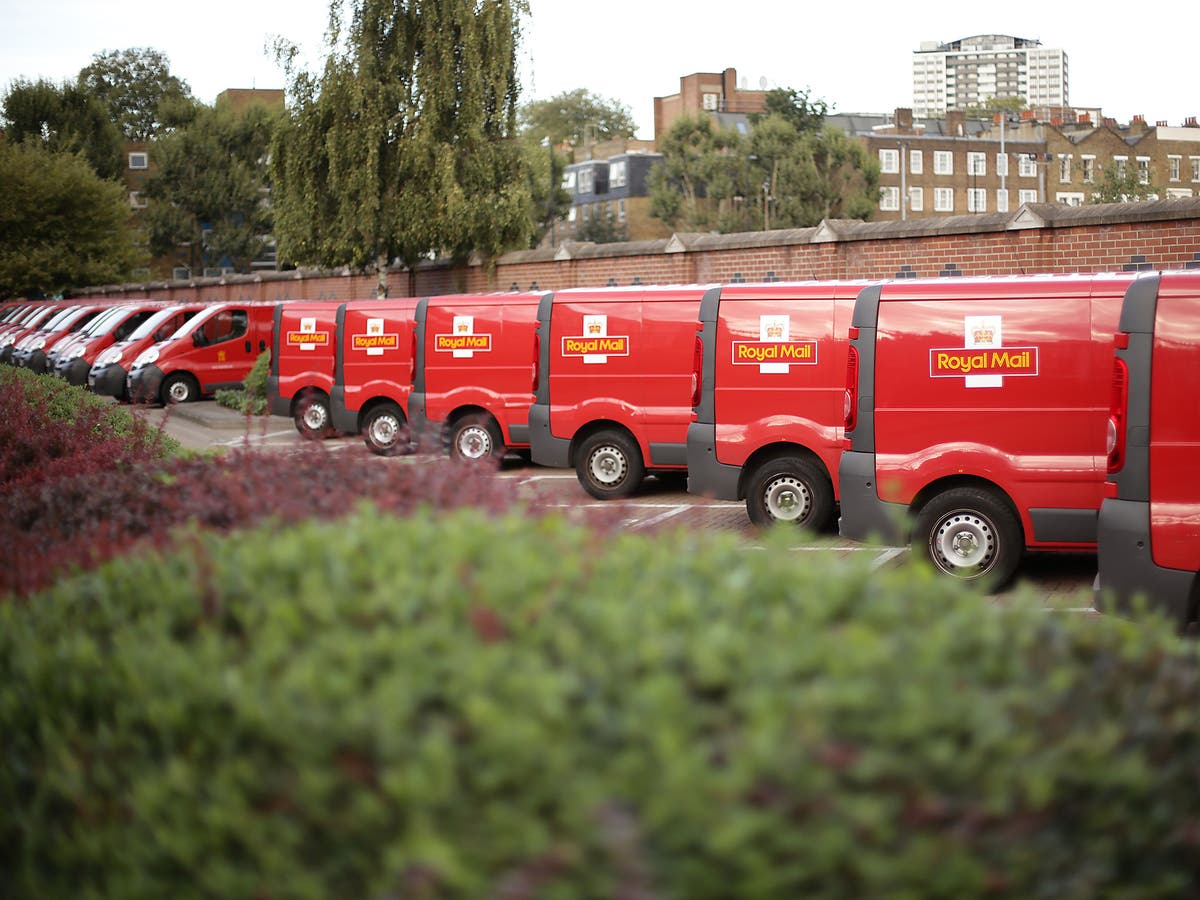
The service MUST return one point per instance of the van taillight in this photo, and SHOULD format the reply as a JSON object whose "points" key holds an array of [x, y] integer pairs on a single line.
{"points": [[1117, 412], [850, 402], [697, 370], [537, 356]]}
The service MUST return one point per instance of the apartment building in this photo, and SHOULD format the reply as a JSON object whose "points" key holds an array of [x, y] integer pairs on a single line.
{"points": [[714, 93], [609, 199], [973, 70]]}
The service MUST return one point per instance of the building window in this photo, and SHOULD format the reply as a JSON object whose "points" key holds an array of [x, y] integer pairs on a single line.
{"points": [[1121, 162], [943, 162], [138, 161], [889, 161], [1001, 200], [1064, 166], [1174, 165], [889, 198], [916, 199], [587, 181], [976, 200], [620, 210], [976, 163], [137, 200], [1195, 161], [916, 162], [710, 102], [1002, 164], [1178, 193], [1089, 168], [616, 174], [568, 182], [1027, 196], [1143, 164], [1027, 165], [1069, 198], [943, 199]]}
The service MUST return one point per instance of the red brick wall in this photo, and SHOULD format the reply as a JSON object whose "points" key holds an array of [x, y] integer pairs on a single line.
{"points": [[1167, 242]]}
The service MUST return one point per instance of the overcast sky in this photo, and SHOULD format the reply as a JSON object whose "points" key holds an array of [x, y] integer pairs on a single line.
{"points": [[855, 56]]}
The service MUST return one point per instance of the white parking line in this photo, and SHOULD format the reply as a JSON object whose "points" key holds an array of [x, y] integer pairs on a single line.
{"points": [[886, 557], [242, 438], [647, 505], [661, 517]]}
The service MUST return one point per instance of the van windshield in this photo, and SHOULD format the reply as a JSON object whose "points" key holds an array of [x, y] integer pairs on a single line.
{"points": [[156, 321], [200, 318], [104, 322]]}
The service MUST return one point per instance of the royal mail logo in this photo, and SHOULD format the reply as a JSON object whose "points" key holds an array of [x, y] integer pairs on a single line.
{"points": [[595, 345], [793, 353], [983, 361], [589, 346], [308, 340], [462, 328], [371, 342], [462, 342], [775, 331]]}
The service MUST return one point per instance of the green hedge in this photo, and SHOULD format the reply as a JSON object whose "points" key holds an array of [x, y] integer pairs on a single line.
{"points": [[451, 707]]}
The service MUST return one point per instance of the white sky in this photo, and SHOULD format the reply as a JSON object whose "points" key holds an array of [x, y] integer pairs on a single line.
{"points": [[856, 56]]}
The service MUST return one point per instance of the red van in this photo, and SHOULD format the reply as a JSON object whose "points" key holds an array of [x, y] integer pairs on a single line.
{"points": [[975, 416], [1149, 536], [214, 349], [615, 387], [301, 373], [30, 352], [28, 321], [471, 373], [768, 418], [373, 372], [71, 360], [107, 374]]}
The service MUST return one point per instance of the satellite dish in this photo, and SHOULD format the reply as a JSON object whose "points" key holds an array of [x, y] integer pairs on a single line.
{"points": [[762, 83]]}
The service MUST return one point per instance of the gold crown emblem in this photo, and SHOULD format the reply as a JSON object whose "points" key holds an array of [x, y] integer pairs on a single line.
{"points": [[774, 331], [594, 328], [983, 335], [375, 329], [462, 326]]}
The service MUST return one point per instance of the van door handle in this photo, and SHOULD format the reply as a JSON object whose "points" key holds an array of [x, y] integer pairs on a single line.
{"points": [[262, 345], [247, 346]]}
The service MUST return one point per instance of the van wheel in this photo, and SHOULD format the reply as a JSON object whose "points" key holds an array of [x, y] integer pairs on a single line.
{"points": [[385, 431], [971, 534], [790, 489], [475, 437], [312, 416], [609, 465], [179, 387]]}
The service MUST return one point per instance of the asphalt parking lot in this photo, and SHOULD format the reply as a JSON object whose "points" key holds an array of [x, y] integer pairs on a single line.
{"points": [[1063, 581]]}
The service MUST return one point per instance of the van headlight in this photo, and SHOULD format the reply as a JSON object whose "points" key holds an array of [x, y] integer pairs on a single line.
{"points": [[108, 357], [146, 358]]}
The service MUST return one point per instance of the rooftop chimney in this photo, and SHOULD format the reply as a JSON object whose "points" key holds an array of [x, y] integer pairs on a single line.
{"points": [[904, 120]]}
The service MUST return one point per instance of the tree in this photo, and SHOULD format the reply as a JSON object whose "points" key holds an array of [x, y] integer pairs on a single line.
{"points": [[65, 118], [405, 144], [208, 188], [795, 107], [548, 201], [988, 108], [575, 116], [61, 225], [144, 98], [1123, 184], [698, 170]]}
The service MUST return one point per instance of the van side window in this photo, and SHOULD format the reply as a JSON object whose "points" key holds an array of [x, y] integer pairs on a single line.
{"points": [[226, 325]]}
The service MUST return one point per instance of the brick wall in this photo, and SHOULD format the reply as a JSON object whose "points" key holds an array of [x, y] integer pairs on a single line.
{"points": [[1036, 238]]}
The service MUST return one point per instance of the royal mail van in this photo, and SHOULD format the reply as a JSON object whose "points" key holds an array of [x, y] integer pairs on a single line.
{"points": [[975, 417], [1149, 537], [30, 352], [301, 369], [373, 372], [72, 360], [214, 349], [768, 417], [108, 371], [29, 321], [472, 372], [615, 384]]}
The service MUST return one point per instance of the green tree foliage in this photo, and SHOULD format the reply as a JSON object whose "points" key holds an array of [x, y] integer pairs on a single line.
{"points": [[61, 225], [208, 187], [791, 172], [990, 107], [65, 118], [574, 117], [1123, 184], [144, 98], [405, 144], [548, 201]]}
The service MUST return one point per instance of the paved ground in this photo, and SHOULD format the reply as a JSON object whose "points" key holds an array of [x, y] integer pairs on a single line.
{"points": [[1063, 580]]}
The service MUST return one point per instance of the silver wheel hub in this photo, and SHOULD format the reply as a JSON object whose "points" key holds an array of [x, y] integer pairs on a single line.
{"points": [[963, 540], [384, 430], [788, 499], [179, 391], [474, 442], [607, 465], [315, 417]]}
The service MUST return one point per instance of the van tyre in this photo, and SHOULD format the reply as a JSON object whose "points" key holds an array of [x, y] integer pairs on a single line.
{"points": [[790, 489], [476, 437], [179, 387], [385, 430], [972, 534], [609, 465], [312, 416]]}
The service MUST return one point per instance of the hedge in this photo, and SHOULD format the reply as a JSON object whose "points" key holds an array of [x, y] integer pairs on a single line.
{"points": [[456, 706]]}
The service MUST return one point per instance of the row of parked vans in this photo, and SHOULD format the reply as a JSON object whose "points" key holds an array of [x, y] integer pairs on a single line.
{"points": [[975, 418]]}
